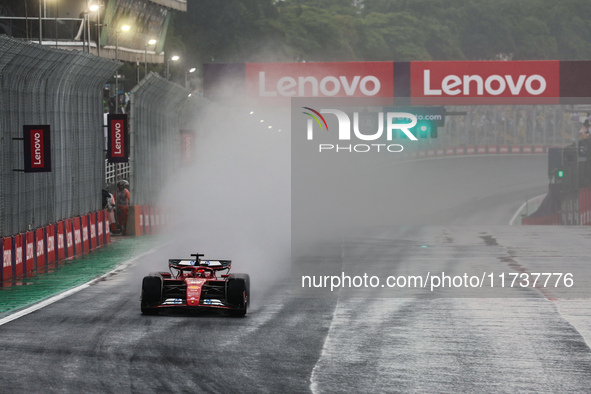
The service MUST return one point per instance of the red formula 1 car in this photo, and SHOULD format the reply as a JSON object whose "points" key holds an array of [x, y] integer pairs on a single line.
{"points": [[195, 284]]}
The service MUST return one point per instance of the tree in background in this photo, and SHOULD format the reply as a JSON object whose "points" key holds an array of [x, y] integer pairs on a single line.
{"points": [[384, 30]]}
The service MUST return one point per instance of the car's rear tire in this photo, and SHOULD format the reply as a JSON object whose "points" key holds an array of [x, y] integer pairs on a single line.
{"points": [[238, 294], [151, 294]]}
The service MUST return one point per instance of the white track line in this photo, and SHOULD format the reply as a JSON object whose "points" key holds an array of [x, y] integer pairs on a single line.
{"points": [[521, 207], [67, 293]]}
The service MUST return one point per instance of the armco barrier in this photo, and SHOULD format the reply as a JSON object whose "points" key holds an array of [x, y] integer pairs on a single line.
{"points": [[40, 248], [50, 242], [7, 257], [29, 252], [472, 150]]}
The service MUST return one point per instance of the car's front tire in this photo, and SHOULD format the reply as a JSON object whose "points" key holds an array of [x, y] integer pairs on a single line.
{"points": [[238, 294], [151, 294]]}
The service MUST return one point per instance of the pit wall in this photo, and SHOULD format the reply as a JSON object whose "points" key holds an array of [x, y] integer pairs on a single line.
{"points": [[575, 210]]}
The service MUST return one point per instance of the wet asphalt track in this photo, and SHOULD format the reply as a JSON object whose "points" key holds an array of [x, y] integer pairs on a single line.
{"points": [[97, 340]]}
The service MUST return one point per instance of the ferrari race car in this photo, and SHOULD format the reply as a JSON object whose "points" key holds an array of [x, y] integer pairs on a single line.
{"points": [[195, 284]]}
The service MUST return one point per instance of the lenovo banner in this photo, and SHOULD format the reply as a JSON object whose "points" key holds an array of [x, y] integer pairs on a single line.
{"points": [[278, 82], [187, 146], [37, 148], [479, 82], [118, 138]]}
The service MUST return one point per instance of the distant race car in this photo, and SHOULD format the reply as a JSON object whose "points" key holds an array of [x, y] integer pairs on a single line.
{"points": [[195, 284]]}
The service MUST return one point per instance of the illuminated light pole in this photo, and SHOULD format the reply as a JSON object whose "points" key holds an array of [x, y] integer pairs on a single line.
{"points": [[192, 70], [117, 32], [95, 8], [40, 23], [150, 42], [174, 59]]}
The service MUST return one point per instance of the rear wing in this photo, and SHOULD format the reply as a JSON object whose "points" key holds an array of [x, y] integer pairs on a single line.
{"points": [[213, 264]]}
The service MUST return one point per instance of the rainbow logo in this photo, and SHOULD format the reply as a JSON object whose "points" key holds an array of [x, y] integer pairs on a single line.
{"points": [[315, 118]]}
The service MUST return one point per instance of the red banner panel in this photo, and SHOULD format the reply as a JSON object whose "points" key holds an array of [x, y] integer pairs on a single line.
{"points": [[147, 222], [40, 247], [277, 83], [29, 251], [84, 229], [492, 149], [585, 206], [460, 150], [527, 149], [7, 255], [100, 229], [118, 138], [479, 82], [107, 227], [539, 149], [440, 152], [449, 151], [515, 149], [470, 150], [153, 220], [92, 230], [481, 149], [503, 149], [51, 244], [18, 253], [69, 238], [61, 240], [187, 146], [431, 152], [37, 146], [77, 230]]}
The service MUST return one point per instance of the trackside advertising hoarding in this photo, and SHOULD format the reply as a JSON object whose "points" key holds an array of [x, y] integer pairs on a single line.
{"points": [[281, 81], [118, 138], [403, 83], [37, 146], [470, 81]]}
